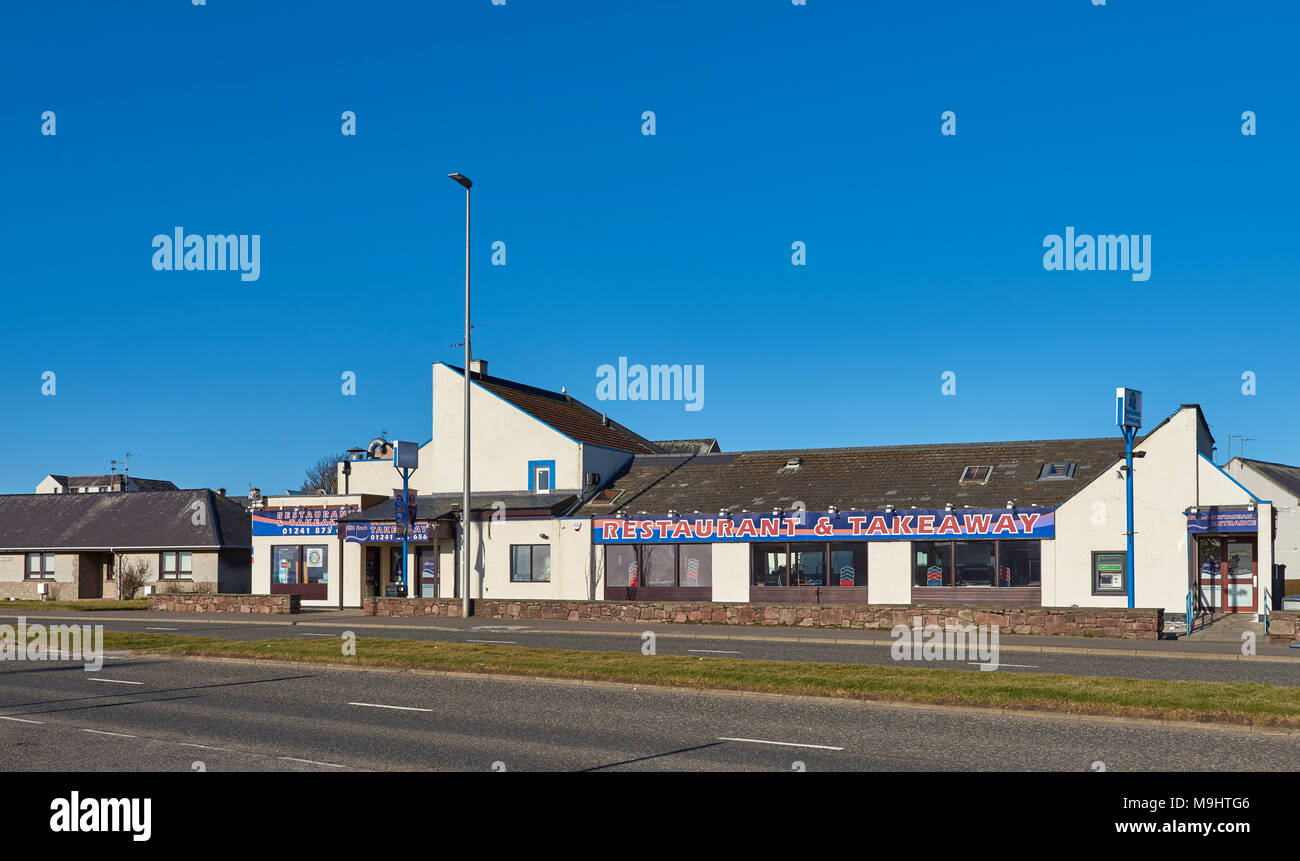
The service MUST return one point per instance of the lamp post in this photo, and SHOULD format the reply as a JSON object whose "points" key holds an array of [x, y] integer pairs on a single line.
{"points": [[464, 513], [1128, 416]]}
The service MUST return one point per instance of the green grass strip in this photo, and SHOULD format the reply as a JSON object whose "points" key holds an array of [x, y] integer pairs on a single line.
{"points": [[81, 605], [1212, 702]]}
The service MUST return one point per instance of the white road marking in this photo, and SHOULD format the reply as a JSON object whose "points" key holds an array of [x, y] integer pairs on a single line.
{"points": [[498, 642], [103, 732], [381, 706], [20, 720], [500, 628], [311, 761], [315, 635], [782, 743], [714, 651], [115, 681], [1026, 666], [147, 628], [205, 746]]}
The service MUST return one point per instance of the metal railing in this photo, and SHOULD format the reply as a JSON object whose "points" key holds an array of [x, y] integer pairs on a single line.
{"points": [[1268, 606], [1190, 598]]}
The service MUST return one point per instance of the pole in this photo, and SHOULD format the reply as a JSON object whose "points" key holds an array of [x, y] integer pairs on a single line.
{"points": [[464, 602], [406, 529], [1129, 434]]}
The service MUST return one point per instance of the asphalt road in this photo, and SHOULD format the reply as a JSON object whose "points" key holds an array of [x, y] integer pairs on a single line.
{"points": [[192, 715], [722, 643]]}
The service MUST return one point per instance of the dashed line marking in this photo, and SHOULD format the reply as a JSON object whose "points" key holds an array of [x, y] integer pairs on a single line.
{"points": [[782, 743], [311, 761], [382, 706]]}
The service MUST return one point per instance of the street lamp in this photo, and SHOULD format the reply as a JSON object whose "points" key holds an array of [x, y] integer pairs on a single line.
{"points": [[464, 510]]}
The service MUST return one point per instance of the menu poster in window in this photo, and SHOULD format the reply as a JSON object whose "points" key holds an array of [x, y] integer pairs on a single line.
{"points": [[847, 575]]}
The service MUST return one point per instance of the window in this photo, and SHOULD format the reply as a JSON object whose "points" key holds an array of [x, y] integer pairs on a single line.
{"points": [[176, 564], [976, 563], [1056, 471], [843, 563], [291, 564], [541, 476], [40, 566], [976, 474], [1109, 573], [530, 563], [659, 565]]}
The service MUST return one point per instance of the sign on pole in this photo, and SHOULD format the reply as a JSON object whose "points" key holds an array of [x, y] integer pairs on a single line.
{"points": [[1128, 408]]}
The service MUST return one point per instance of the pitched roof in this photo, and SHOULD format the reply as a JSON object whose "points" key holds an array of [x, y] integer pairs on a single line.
{"points": [[696, 446], [924, 476], [1284, 476], [431, 506], [165, 518], [112, 479], [567, 415]]}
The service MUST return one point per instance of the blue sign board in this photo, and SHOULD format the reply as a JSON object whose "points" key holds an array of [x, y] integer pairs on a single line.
{"points": [[299, 521], [382, 531], [1128, 408], [1218, 520], [819, 526]]}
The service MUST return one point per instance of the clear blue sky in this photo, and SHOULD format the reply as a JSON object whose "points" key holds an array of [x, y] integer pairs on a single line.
{"points": [[775, 123]]}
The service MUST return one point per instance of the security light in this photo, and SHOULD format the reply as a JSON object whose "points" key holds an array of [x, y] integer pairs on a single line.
{"points": [[1010, 505], [832, 510], [948, 506]]}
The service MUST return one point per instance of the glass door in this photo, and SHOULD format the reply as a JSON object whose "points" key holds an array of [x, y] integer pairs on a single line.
{"points": [[1209, 561], [427, 564], [1240, 575]]}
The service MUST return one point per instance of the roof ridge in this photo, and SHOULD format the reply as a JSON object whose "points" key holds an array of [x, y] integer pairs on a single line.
{"points": [[903, 447]]}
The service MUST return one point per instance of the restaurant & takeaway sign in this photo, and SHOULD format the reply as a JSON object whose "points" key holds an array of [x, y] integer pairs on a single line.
{"points": [[908, 524]]}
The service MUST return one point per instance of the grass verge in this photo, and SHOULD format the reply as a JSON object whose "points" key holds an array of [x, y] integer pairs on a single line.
{"points": [[1211, 702], [81, 605]]}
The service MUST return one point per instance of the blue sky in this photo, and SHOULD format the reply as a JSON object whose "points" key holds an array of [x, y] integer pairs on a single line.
{"points": [[774, 124]]}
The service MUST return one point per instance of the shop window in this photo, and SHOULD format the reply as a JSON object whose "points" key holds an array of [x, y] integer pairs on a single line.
{"points": [[1020, 563], [809, 564], [658, 565], [770, 565], [933, 563], [40, 566], [1109, 572], [848, 564], [294, 564], [176, 564], [977, 563], [530, 563]]}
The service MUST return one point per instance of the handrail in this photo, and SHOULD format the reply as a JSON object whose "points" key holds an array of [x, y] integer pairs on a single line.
{"points": [[1190, 593], [1268, 602]]}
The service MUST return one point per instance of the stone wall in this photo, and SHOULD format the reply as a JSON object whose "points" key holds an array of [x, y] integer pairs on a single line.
{"points": [[415, 607], [199, 603], [1068, 621], [1283, 626]]}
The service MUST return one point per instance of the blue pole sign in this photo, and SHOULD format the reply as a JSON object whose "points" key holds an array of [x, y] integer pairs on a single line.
{"points": [[1128, 416]]}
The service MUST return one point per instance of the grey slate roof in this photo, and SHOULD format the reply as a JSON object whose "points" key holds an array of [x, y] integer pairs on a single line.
{"points": [[103, 521], [689, 446], [924, 476], [1286, 477], [434, 505], [566, 414]]}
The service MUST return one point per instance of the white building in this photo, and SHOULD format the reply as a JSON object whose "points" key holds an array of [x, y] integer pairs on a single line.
{"points": [[568, 504]]}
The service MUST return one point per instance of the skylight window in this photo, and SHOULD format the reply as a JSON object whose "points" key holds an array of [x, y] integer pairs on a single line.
{"points": [[976, 474], [1056, 471]]}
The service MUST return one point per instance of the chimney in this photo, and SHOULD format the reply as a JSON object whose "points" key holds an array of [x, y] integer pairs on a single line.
{"points": [[478, 367], [221, 491]]}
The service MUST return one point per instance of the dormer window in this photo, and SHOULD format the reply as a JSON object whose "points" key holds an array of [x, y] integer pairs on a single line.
{"points": [[1056, 471], [976, 474]]}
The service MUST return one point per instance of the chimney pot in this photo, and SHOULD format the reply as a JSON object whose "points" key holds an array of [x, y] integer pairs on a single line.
{"points": [[478, 367]]}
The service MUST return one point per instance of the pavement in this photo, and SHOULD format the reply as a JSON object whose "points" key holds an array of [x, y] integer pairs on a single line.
{"points": [[163, 714], [1205, 660]]}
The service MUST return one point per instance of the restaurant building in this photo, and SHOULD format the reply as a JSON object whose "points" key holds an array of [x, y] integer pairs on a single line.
{"points": [[569, 505]]}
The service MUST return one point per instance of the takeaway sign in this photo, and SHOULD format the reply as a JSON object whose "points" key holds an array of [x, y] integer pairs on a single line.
{"points": [[841, 526]]}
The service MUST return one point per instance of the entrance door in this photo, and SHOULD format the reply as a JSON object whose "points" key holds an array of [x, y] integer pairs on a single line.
{"points": [[1241, 583], [374, 575], [426, 562], [1227, 575], [396, 574]]}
